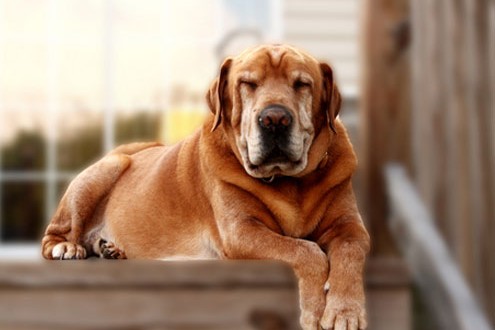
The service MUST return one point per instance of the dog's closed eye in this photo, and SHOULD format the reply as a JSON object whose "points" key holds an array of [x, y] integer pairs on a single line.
{"points": [[300, 84], [252, 85]]}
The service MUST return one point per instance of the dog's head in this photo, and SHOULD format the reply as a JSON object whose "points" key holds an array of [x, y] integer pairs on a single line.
{"points": [[273, 101]]}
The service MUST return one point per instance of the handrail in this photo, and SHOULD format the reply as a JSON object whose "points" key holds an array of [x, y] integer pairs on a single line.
{"points": [[432, 266]]}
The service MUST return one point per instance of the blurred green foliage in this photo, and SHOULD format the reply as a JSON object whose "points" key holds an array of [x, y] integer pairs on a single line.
{"points": [[80, 148], [85, 146], [142, 126], [23, 202], [23, 211], [25, 153]]}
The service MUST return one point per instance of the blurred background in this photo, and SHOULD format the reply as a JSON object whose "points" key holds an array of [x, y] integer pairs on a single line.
{"points": [[78, 77]]}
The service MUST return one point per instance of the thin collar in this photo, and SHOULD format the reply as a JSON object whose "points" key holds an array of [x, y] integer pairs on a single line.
{"points": [[268, 179]]}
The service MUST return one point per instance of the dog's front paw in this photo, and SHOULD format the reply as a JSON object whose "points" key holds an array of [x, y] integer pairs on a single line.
{"points": [[68, 251], [309, 321], [344, 314], [311, 281]]}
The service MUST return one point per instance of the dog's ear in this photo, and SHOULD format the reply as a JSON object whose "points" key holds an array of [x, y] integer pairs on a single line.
{"points": [[331, 99], [215, 94]]}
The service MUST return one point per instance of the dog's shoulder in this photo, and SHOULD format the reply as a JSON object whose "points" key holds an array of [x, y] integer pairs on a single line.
{"points": [[342, 160]]}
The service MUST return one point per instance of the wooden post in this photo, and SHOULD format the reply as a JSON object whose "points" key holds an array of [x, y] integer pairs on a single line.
{"points": [[446, 137], [481, 148], [488, 138], [452, 130], [385, 111]]}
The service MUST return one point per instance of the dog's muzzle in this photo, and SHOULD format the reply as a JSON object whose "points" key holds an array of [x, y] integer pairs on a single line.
{"points": [[275, 124]]}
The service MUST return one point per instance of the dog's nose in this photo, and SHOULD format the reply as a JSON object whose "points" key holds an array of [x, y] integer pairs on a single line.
{"points": [[275, 117]]}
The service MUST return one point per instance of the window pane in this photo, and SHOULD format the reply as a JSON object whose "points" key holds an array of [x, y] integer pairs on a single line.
{"points": [[191, 66], [23, 99], [79, 120], [189, 71], [137, 126], [80, 139], [81, 77], [24, 18], [201, 22], [22, 142], [61, 188], [133, 21], [22, 211], [137, 76], [80, 21], [24, 73]]}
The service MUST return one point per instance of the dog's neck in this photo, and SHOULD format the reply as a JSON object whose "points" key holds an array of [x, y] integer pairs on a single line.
{"points": [[321, 164]]}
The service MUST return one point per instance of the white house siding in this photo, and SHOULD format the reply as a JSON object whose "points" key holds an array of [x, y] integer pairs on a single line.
{"points": [[329, 30]]}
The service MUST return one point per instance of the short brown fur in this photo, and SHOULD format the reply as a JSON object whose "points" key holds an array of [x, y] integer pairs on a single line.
{"points": [[195, 200]]}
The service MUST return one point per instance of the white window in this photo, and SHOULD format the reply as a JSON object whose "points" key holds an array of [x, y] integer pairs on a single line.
{"points": [[78, 77]]}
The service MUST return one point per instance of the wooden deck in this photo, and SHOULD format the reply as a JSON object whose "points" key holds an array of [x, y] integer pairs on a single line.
{"points": [[216, 295]]}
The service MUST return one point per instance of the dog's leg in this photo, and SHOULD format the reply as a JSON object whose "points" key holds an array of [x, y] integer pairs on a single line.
{"points": [[108, 250], [250, 239], [244, 236], [62, 238], [345, 301], [344, 238]]}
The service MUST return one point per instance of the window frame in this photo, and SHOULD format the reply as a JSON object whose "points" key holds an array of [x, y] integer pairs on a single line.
{"points": [[51, 176]]}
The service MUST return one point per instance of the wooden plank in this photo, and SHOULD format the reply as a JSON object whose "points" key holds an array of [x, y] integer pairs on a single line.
{"points": [[432, 266], [390, 309], [452, 130], [480, 126], [140, 273], [125, 308], [475, 94], [456, 206], [102, 294], [387, 272], [488, 138], [428, 109]]}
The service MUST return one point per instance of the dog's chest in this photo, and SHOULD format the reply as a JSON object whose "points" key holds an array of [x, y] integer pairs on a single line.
{"points": [[297, 215]]}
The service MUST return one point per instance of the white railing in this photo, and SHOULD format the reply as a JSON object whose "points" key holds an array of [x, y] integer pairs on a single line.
{"points": [[433, 268]]}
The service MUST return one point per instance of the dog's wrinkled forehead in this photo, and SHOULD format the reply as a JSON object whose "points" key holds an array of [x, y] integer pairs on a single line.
{"points": [[273, 60]]}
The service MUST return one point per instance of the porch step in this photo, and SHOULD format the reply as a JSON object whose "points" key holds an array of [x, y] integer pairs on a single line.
{"points": [[218, 295]]}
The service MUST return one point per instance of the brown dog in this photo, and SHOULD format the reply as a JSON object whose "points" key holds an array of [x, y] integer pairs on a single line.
{"points": [[267, 177]]}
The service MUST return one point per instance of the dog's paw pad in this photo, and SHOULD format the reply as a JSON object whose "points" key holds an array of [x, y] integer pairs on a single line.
{"points": [[109, 250], [68, 251]]}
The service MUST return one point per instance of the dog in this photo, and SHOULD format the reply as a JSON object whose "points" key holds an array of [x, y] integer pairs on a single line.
{"points": [[267, 176]]}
